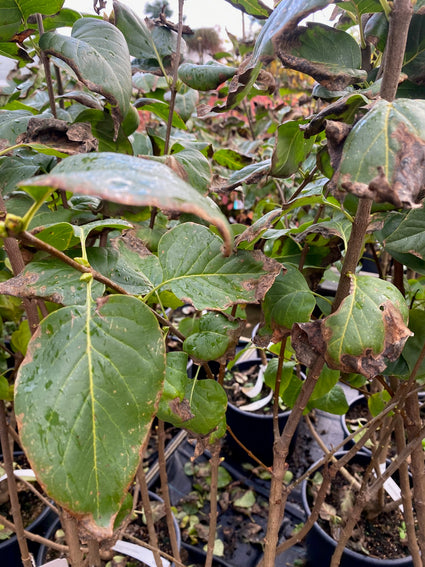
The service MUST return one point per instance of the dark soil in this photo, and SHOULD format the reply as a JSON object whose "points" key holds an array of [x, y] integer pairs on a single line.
{"points": [[378, 536], [31, 505], [136, 529]]}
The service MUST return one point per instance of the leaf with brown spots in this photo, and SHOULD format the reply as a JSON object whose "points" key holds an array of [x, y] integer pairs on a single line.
{"points": [[368, 330], [384, 154]]}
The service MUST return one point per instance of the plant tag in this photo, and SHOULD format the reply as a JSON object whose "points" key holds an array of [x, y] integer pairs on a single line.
{"points": [[138, 552], [258, 386], [56, 563], [26, 474], [391, 487], [254, 406]]}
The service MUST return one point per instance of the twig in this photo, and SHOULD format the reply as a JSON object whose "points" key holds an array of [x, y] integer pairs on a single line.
{"points": [[164, 490], [153, 538], [215, 462], [46, 65], [13, 493]]}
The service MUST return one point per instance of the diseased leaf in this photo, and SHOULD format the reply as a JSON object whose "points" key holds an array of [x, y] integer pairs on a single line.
{"points": [[83, 410], [368, 329], [50, 279], [329, 55], [98, 54], [282, 21], [195, 269], [383, 154], [131, 181], [196, 406]]}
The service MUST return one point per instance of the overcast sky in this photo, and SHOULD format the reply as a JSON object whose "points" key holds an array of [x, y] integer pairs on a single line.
{"points": [[199, 13]]}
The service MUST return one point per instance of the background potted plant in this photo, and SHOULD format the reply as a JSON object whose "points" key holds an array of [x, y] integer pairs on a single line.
{"points": [[97, 258]]}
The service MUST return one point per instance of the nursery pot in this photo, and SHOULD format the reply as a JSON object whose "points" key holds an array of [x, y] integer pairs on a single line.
{"points": [[359, 401], [254, 431], [321, 546], [55, 525], [10, 554]]}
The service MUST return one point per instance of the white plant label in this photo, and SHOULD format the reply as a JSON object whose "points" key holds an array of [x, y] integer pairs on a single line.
{"points": [[138, 552], [391, 487]]}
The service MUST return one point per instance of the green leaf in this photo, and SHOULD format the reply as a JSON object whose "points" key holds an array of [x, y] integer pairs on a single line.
{"points": [[98, 54], [21, 337], [126, 267], [251, 173], [327, 380], [247, 500], [185, 104], [414, 56], [291, 149], [197, 406], [14, 13], [13, 123], [368, 329], [377, 402], [414, 344], [384, 146], [213, 338], [103, 128], [360, 7], [405, 233], [64, 18], [50, 279], [289, 300], [205, 77], [14, 51], [196, 167], [60, 235], [252, 7], [135, 181], [231, 159], [83, 410], [152, 48], [160, 109], [6, 391], [195, 269], [333, 402], [338, 226]]}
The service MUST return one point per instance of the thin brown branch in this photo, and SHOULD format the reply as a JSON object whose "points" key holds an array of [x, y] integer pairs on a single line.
{"points": [[215, 462], [153, 538]]}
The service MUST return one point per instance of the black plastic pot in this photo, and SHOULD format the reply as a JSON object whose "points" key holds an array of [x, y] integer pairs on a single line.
{"points": [[321, 546], [254, 431], [10, 554], [359, 400], [55, 525]]}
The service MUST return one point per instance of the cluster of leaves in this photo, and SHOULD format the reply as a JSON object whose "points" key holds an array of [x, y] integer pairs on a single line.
{"points": [[120, 223]]}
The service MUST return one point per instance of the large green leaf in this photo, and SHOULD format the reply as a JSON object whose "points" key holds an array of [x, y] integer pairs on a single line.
{"points": [[415, 344], [98, 54], [131, 181], [382, 155], [368, 329], [85, 397], [14, 13], [289, 300], [151, 47], [195, 269], [231, 158], [205, 77], [290, 150], [414, 56]]}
